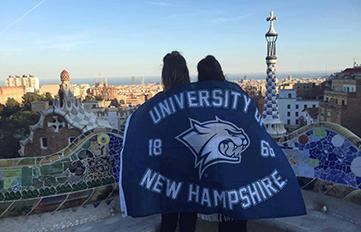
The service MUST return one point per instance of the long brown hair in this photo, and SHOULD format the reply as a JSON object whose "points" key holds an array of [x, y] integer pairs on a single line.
{"points": [[210, 69], [175, 71]]}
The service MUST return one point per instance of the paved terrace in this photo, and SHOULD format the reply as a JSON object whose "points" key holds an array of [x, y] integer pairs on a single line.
{"points": [[325, 214], [314, 221]]}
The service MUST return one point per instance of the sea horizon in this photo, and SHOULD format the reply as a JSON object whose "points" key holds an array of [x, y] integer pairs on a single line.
{"points": [[157, 79]]}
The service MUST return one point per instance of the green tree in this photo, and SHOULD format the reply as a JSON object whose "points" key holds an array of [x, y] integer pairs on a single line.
{"points": [[14, 128], [89, 98], [24, 118], [2, 107], [12, 103], [31, 97], [11, 107], [47, 97]]}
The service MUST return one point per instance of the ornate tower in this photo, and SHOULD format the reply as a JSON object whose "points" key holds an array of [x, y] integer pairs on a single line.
{"points": [[64, 88], [271, 118], [65, 78]]}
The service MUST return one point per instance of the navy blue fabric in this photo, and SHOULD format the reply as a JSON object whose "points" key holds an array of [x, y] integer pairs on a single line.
{"points": [[202, 148]]}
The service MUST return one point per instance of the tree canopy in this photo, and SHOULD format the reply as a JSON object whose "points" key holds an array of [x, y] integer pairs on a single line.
{"points": [[29, 98], [14, 125]]}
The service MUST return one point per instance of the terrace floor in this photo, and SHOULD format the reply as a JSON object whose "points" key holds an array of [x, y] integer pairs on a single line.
{"points": [[339, 215], [314, 221]]}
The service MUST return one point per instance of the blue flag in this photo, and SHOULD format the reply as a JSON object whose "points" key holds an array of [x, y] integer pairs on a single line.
{"points": [[202, 148]]}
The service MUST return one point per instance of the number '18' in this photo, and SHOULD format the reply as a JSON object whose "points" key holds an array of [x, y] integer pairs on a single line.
{"points": [[155, 147]]}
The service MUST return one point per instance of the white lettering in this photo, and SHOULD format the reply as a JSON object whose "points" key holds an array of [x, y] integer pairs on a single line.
{"points": [[164, 108], [226, 98], [247, 101], [246, 203], [267, 184], [203, 96], [173, 189], [232, 198], [192, 99], [179, 99], [205, 197], [277, 179], [148, 179], [235, 99], [193, 193], [158, 183], [217, 98], [253, 193], [156, 118], [219, 198]]}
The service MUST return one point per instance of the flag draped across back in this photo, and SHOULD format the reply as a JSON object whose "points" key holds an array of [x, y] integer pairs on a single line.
{"points": [[202, 147]]}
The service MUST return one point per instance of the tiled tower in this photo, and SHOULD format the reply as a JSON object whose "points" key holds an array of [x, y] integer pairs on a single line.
{"points": [[271, 118]]}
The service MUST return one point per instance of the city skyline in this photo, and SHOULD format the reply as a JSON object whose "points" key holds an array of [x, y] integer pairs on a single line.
{"points": [[114, 39]]}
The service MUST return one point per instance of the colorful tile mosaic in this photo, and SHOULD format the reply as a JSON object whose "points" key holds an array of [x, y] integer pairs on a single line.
{"points": [[84, 172], [323, 153]]}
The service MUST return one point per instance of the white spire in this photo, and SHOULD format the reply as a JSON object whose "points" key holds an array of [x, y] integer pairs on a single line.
{"points": [[271, 118], [271, 30]]}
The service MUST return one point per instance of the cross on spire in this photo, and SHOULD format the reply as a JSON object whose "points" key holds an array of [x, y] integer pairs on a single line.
{"points": [[271, 31], [271, 17]]}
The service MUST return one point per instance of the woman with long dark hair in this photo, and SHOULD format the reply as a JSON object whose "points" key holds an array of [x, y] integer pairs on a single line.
{"points": [[210, 69], [175, 73]]}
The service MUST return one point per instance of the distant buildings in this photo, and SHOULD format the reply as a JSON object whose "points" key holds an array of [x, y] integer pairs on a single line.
{"points": [[30, 82], [303, 86], [134, 95], [11, 92], [49, 88], [16, 86], [103, 91], [309, 90], [81, 91], [342, 100], [115, 116], [293, 106]]}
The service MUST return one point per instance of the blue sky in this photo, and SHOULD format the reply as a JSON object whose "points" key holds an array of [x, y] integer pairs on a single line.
{"points": [[121, 38]]}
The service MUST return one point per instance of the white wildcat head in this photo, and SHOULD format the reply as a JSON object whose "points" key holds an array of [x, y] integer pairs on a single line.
{"points": [[213, 142]]}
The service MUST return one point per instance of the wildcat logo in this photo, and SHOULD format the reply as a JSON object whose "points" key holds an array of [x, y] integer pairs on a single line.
{"points": [[213, 142]]}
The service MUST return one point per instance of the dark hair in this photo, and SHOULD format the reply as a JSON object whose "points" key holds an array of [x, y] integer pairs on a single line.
{"points": [[210, 69], [175, 71]]}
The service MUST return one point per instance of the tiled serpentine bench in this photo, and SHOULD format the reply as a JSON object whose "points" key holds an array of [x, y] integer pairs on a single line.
{"points": [[310, 151]]}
